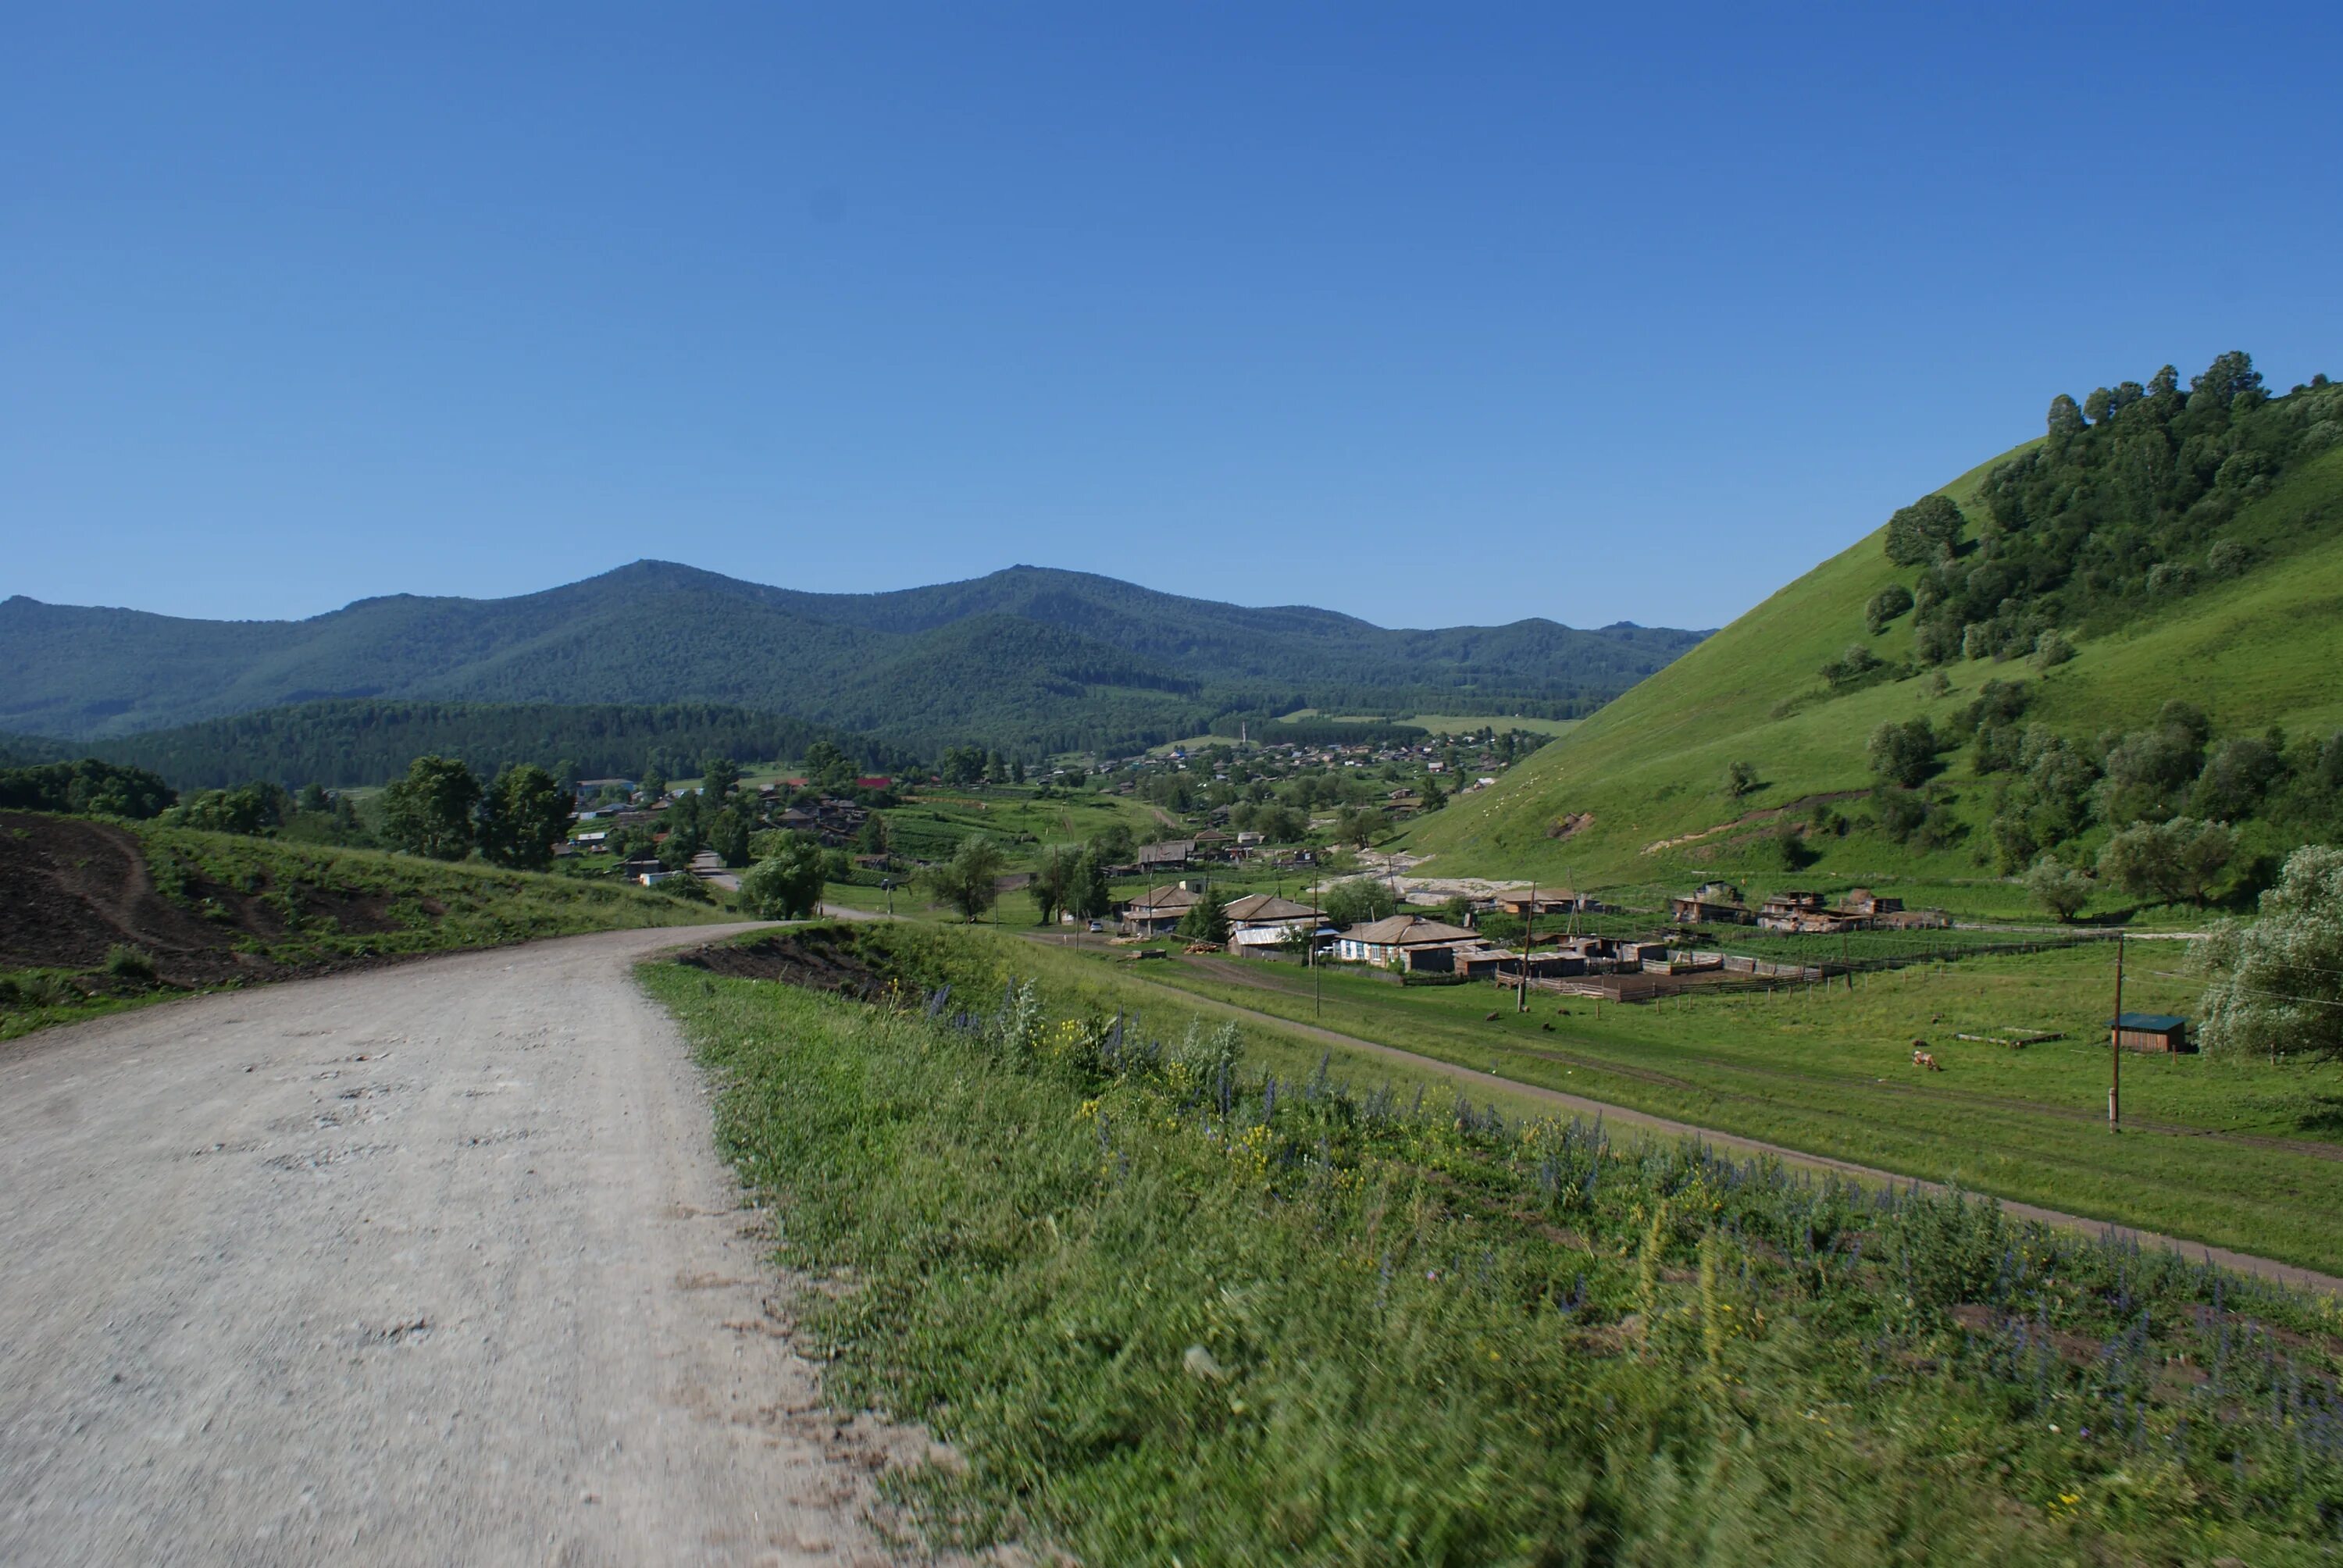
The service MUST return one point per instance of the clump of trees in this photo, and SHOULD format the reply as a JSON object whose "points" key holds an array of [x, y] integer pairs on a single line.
{"points": [[441, 811], [88, 787], [2123, 503]]}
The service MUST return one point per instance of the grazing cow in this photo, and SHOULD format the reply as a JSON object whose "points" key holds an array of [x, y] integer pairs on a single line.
{"points": [[1927, 1059]]}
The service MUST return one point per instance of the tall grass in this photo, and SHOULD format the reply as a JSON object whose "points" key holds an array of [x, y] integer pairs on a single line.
{"points": [[1170, 1309]]}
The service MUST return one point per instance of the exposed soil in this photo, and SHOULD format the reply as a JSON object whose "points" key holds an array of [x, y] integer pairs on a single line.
{"points": [[1764, 814], [70, 890], [818, 959]]}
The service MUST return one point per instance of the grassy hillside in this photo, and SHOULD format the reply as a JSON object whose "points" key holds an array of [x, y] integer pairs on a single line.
{"points": [[1025, 657], [100, 915], [2256, 650]]}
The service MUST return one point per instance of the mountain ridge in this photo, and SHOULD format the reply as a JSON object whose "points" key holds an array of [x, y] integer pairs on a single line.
{"points": [[1111, 662]]}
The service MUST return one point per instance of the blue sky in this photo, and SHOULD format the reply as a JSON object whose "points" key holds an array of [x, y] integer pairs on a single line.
{"points": [[1433, 315]]}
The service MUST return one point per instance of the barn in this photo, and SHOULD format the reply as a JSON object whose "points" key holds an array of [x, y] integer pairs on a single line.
{"points": [[2152, 1032]]}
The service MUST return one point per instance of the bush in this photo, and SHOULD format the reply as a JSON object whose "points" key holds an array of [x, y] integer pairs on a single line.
{"points": [[1885, 604], [2052, 650], [1852, 666], [685, 887], [126, 962]]}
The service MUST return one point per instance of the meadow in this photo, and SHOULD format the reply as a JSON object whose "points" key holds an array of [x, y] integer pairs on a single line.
{"points": [[1171, 1299], [2239, 1154]]}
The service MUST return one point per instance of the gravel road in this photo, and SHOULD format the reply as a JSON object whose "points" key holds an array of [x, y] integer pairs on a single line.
{"points": [[431, 1264]]}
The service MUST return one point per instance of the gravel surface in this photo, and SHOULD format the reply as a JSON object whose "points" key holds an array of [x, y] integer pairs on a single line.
{"points": [[436, 1263]]}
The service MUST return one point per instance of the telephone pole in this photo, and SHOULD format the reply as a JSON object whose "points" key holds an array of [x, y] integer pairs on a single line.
{"points": [[2114, 1048], [1529, 937]]}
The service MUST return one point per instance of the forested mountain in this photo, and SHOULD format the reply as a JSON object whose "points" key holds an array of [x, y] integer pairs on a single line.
{"points": [[1025, 656], [344, 742], [2129, 619]]}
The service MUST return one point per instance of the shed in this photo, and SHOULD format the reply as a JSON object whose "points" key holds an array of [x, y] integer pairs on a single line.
{"points": [[2152, 1032]]}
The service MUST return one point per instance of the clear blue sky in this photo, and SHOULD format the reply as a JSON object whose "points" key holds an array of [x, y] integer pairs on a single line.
{"points": [[1433, 315]]}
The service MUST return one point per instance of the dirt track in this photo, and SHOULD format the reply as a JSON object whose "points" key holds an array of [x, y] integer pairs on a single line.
{"points": [[429, 1264]]}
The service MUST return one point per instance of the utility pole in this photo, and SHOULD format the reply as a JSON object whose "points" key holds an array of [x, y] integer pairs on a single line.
{"points": [[2114, 1048], [1529, 937]]}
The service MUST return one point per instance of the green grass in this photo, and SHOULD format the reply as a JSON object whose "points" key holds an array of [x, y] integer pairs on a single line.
{"points": [[1163, 1316], [431, 907], [1650, 766], [1477, 723], [2238, 1155]]}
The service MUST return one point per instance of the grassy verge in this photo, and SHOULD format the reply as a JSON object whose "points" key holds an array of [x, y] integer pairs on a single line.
{"points": [[226, 909], [1169, 1309], [2237, 1154]]}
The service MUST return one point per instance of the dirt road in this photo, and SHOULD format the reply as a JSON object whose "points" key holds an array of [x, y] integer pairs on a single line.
{"points": [[436, 1263]]}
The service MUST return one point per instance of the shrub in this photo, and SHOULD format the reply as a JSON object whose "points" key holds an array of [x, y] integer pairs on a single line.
{"points": [[2052, 650], [126, 962], [1851, 666], [687, 888], [2229, 558], [1885, 604]]}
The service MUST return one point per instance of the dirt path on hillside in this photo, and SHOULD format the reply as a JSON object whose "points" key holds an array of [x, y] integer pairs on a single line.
{"points": [[1620, 1116], [436, 1263]]}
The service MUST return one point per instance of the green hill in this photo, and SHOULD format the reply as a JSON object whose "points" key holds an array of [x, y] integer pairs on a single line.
{"points": [[2231, 608], [1025, 659]]}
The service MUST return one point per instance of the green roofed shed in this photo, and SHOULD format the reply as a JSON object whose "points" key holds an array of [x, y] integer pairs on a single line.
{"points": [[2152, 1032]]}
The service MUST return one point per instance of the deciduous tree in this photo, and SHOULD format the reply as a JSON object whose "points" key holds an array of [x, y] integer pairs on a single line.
{"points": [[523, 814], [2278, 985], [429, 811]]}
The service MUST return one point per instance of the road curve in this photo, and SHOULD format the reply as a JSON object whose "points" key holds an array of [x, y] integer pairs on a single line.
{"points": [[433, 1263]]}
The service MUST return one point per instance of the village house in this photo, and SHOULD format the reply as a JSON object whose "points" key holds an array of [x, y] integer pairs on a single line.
{"points": [[1711, 904], [1521, 902], [1405, 942], [1261, 920], [1157, 912], [1169, 855]]}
